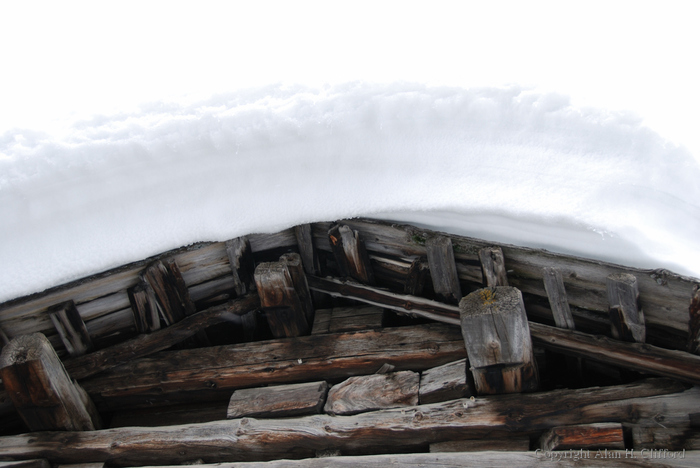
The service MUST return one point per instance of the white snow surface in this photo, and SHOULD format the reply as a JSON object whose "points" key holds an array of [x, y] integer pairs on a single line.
{"points": [[503, 163]]}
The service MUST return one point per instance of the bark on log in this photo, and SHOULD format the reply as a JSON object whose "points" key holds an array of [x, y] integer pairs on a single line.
{"points": [[583, 436], [41, 390], [446, 382], [265, 439], [279, 401], [443, 270], [626, 315], [372, 392], [694, 322], [350, 254], [558, 302], [71, 328], [240, 257], [493, 267]]}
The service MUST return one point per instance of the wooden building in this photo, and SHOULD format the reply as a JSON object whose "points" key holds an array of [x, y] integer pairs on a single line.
{"points": [[354, 343]]}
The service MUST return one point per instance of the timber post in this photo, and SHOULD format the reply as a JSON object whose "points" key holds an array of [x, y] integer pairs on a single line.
{"points": [[144, 307], [493, 267], [558, 302], [443, 269], [694, 322], [626, 315], [497, 338], [165, 279], [71, 328], [240, 256], [307, 250], [350, 254], [40, 388], [415, 280]]}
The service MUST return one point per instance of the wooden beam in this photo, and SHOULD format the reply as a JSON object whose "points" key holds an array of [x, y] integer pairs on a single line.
{"points": [[346, 319], [40, 388], [266, 439], [364, 393], [497, 338], [164, 277], [240, 257], [144, 345], [493, 267], [350, 254], [694, 322], [443, 270], [415, 280], [309, 256], [446, 382], [558, 302], [626, 315], [301, 287], [634, 356], [71, 328], [583, 436], [278, 401], [210, 374], [144, 307], [285, 307]]}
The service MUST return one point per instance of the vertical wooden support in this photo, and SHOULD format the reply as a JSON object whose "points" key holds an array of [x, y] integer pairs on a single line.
{"points": [[350, 254], [497, 338], [71, 328], [240, 256], [173, 297], [40, 388], [626, 315], [416, 277], [309, 257], [443, 269], [285, 309], [493, 267], [694, 322], [301, 287], [145, 308], [556, 293]]}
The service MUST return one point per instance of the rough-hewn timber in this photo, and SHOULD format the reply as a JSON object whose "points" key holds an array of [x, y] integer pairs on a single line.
{"points": [[278, 401], [493, 267], [350, 254], [694, 322], [446, 382], [626, 315], [240, 256], [71, 328], [443, 270], [558, 301], [371, 392], [583, 436]]}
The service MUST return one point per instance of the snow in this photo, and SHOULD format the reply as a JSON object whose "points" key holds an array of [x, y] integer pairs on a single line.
{"points": [[95, 177]]}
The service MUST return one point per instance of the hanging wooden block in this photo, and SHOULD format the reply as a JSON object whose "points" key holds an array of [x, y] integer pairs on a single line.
{"points": [[493, 267], [240, 256], [497, 338], [558, 302], [443, 269], [40, 388], [626, 315], [71, 328], [350, 254], [694, 322]]}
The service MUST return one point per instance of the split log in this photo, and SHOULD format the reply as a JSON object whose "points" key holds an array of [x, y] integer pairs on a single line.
{"points": [[309, 256], [71, 328], [41, 390], [266, 439], [279, 401], [443, 270], [626, 315], [493, 267], [173, 377], [165, 279], [583, 436], [446, 382], [558, 302], [372, 392], [694, 322], [634, 356], [510, 444], [350, 254], [240, 257], [497, 338], [284, 307], [144, 345]]}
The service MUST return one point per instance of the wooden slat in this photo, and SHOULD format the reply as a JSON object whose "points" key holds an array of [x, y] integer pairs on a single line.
{"points": [[240, 256], [278, 401], [350, 254], [371, 392], [626, 315], [265, 439], [558, 302], [443, 270], [493, 267]]}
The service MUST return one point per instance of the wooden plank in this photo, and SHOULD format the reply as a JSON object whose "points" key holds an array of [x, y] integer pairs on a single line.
{"points": [[626, 315], [309, 257], [144, 345], [364, 393], [173, 377], [284, 309], [165, 279], [634, 356], [240, 256], [583, 436], [41, 389], [497, 338], [493, 267], [446, 382], [279, 401], [443, 270], [556, 293], [350, 254], [266, 439], [511, 444], [694, 322], [71, 328]]}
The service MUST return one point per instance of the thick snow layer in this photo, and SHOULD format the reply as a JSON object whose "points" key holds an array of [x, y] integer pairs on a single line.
{"points": [[507, 164]]}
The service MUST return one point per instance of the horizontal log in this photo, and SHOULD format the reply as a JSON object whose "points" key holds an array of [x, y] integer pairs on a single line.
{"points": [[583, 436], [269, 439], [278, 401], [640, 357], [371, 392], [513, 444], [446, 382], [144, 345], [173, 377], [26, 464]]}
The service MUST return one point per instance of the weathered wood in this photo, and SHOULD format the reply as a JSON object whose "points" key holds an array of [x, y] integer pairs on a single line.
{"points": [[634, 356], [350, 254], [42, 463], [694, 322], [284, 309], [266, 439], [415, 280], [169, 287], [145, 307], [309, 257], [512, 444], [497, 338], [301, 287], [278, 401], [240, 257], [144, 345], [40, 388], [71, 328], [443, 270], [583, 436], [345, 319], [626, 315], [558, 302], [173, 377], [82, 465], [665, 438], [446, 382], [493, 267], [371, 392], [322, 321]]}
